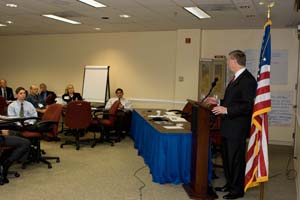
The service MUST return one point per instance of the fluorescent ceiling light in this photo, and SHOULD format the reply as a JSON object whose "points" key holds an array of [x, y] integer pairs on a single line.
{"points": [[61, 19], [124, 16], [9, 22], [197, 12], [11, 5], [93, 3], [3, 25], [97, 29]]}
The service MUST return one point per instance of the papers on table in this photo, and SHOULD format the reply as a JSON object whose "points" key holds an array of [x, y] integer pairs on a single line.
{"points": [[170, 113], [152, 116], [173, 127], [175, 118]]}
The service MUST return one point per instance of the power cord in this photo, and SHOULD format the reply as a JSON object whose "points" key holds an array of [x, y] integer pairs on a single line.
{"points": [[290, 172], [140, 180]]}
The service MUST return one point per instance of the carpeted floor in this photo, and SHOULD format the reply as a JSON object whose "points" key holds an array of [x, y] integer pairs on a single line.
{"points": [[107, 173]]}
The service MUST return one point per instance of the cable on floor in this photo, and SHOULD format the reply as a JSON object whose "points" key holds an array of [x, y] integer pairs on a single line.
{"points": [[290, 172], [141, 181]]}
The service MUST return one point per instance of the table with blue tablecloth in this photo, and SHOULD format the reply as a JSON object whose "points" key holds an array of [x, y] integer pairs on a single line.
{"points": [[166, 152]]}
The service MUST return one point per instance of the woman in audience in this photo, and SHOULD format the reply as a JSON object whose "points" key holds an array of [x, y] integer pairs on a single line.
{"points": [[70, 94]]}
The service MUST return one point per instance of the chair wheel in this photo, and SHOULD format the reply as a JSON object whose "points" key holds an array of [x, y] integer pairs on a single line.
{"points": [[112, 144], [23, 167], [58, 160], [49, 166], [17, 174], [61, 146], [77, 148]]}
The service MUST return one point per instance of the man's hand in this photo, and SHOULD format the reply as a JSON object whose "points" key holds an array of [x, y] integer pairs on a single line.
{"points": [[219, 110], [121, 107]]}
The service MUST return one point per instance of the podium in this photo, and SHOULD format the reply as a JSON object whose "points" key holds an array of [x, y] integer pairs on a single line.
{"points": [[200, 125]]}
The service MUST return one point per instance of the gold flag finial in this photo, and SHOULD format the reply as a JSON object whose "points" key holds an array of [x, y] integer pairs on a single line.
{"points": [[269, 5]]}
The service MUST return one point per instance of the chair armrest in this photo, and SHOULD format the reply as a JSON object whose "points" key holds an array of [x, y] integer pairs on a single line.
{"points": [[41, 126]]}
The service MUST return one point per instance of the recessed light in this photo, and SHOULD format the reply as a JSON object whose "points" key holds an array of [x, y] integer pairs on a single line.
{"points": [[197, 12], [3, 25], [11, 5], [124, 16], [93, 3], [9, 22], [61, 19], [97, 29]]}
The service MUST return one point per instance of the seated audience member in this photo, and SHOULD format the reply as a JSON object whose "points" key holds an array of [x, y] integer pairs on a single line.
{"points": [[34, 98], [70, 94], [123, 113], [44, 93], [20, 152], [21, 107], [5, 91]]}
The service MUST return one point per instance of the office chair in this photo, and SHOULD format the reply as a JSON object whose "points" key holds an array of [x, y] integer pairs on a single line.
{"points": [[77, 119], [36, 132], [3, 106], [50, 99], [106, 124], [186, 112]]}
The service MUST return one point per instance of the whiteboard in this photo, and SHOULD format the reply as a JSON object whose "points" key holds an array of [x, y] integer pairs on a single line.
{"points": [[95, 83]]}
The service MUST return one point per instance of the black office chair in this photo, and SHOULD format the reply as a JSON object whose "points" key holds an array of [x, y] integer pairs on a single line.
{"points": [[186, 112]]}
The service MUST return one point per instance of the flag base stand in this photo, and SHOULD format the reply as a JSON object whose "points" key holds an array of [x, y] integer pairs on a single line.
{"points": [[261, 191]]}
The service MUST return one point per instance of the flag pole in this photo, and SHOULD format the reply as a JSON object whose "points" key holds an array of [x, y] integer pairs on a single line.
{"points": [[269, 5]]}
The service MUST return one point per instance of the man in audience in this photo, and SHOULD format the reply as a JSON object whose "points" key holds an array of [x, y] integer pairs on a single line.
{"points": [[20, 152], [34, 98], [44, 93], [5, 91], [123, 113]]}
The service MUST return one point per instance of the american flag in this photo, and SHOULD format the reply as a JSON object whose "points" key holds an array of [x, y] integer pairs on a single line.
{"points": [[257, 167]]}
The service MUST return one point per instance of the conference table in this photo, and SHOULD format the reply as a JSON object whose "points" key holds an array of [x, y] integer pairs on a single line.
{"points": [[167, 152]]}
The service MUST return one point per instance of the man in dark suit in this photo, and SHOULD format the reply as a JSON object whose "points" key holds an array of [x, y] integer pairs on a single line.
{"points": [[44, 93], [5, 91], [236, 110]]}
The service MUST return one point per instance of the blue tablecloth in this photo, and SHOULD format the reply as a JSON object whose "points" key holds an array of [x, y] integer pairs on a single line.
{"points": [[168, 155]]}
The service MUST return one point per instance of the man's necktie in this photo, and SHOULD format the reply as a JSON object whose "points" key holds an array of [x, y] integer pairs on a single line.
{"points": [[231, 81], [22, 110], [4, 93]]}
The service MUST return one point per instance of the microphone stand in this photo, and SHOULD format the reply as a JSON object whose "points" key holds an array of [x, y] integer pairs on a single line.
{"points": [[210, 90]]}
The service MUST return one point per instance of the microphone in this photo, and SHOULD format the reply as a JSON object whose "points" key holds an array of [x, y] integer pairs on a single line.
{"points": [[213, 84]]}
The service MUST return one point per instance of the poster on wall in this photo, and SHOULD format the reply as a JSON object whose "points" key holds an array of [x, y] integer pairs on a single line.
{"points": [[279, 65], [282, 109]]}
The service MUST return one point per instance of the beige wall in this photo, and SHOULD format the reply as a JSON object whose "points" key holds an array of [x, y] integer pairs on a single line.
{"points": [[143, 64]]}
